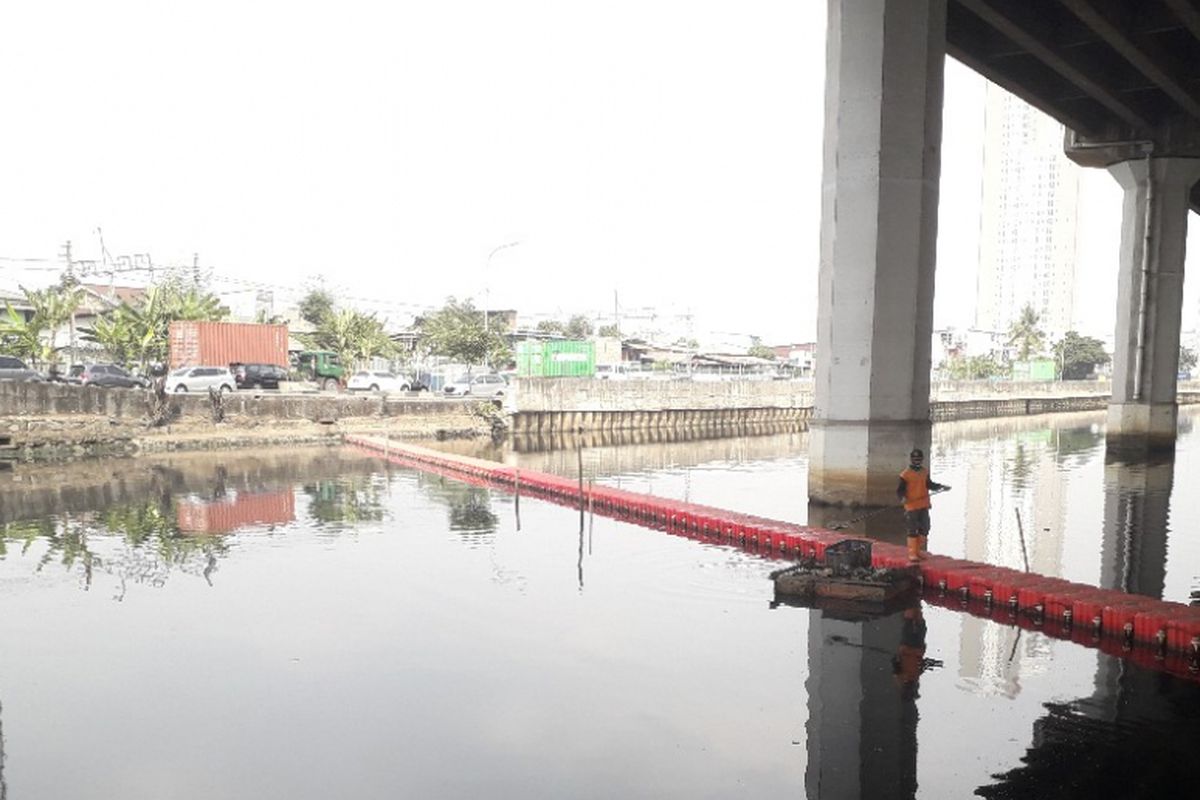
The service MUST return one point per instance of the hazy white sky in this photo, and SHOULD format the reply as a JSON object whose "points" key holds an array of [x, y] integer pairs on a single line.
{"points": [[669, 151]]}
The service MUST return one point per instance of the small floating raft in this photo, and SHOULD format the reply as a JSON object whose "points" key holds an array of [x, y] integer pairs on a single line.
{"points": [[846, 576]]}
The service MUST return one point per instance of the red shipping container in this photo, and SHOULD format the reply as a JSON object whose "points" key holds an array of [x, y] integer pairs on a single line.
{"points": [[220, 344]]}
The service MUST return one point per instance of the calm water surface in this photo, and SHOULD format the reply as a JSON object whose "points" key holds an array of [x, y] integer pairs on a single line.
{"points": [[316, 623]]}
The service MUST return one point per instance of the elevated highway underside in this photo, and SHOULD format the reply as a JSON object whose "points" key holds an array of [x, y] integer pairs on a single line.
{"points": [[1109, 70], [1123, 76]]}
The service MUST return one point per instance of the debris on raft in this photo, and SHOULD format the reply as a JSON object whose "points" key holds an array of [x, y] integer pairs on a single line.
{"points": [[845, 580]]}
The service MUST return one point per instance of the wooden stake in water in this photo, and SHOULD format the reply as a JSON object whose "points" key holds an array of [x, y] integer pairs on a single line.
{"points": [[1021, 531], [517, 496], [579, 451], [591, 512]]}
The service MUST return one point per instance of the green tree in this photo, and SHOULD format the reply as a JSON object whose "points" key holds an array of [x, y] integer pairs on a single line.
{"points": [[760, 350], [610, 331], [579, 327], [139, 333], [317, 304], [973, 368], [20, 336], [1026, 335], [1078, 356], [457, 332], [552, 326], [1187, 359], [354, 336], [36, 338]]}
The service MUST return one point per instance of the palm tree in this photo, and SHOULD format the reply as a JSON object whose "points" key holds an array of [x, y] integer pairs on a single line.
{"points": [[1025, 334], [54, 307], [20, 336], [354, 336]]}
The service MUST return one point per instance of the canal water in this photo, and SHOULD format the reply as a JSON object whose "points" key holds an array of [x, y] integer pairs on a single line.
{"points": [[318, 623]]}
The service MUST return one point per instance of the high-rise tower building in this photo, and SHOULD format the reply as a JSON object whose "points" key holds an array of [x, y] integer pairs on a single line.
{"points": [[1030, 200]]}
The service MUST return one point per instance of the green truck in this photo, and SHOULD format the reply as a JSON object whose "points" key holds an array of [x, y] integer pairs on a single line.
{"points": [[323, 368]]}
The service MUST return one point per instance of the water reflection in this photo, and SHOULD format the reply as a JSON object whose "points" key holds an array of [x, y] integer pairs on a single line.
{"points": [[1137, 512], [1137, 738], [133, 543], [694, 689], [864, 674], [469, 507], [346, 501], [1087, 516], [139, 520]]}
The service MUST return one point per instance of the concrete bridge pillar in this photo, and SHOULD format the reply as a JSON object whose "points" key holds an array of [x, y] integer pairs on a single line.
{"points": [[1142, 415], [882, 159]]}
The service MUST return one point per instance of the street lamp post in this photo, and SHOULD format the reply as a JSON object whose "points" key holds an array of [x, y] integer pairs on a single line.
{"points": [[486, 271]]}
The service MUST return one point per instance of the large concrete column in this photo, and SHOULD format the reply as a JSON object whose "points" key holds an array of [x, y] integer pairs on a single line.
{"points": [[883, 107], [1142, 414]]}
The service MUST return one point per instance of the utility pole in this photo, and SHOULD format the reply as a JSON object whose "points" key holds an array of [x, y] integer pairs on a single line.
{"points": [[196, 270], [70, 283], [69, 271], [616, 314]]}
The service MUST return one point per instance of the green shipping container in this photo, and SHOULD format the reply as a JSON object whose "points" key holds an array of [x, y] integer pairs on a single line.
{"points": [[1040, 370], [556, 359]]}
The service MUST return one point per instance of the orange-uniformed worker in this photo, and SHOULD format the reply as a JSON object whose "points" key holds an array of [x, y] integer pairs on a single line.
{"points": [[913, 491]]}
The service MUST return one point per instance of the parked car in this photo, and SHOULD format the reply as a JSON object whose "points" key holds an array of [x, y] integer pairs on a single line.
{"points": [[486, 385], [373, 381], [14, 369], [257, 376], [105, 375], [200, 379]]}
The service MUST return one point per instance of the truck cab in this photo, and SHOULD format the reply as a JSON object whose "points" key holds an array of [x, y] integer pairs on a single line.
{"points": [[323, 367]]}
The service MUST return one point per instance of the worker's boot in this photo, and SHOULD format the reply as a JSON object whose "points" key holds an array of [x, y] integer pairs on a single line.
{"points": [[923, 550], [914, 549]]}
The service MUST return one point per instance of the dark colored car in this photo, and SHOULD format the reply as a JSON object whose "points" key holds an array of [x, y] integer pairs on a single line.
{"points": [[105, 375], [14, 369], [258, 376]]}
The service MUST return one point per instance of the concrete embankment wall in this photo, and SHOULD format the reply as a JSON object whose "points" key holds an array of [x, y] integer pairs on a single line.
{"points": [[47, 399], [555, 405], [552, 405]]}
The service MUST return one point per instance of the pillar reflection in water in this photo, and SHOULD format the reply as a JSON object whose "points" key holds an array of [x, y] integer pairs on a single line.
{"points": [[1137, 501], [862, 694]]}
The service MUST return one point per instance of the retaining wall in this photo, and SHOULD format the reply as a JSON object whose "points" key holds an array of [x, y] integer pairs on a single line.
{"points": [[50, 399]]}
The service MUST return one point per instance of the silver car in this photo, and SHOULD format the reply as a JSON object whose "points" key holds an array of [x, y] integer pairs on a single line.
{"points": [[486, 385], [201, 379], [14, 369]]}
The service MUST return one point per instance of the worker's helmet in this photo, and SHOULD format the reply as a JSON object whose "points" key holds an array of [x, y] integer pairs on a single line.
{"points": [[917, 454]]}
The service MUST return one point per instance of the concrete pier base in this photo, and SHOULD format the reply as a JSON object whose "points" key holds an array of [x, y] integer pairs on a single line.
{"points": [[858, 464], [1138, 428]]}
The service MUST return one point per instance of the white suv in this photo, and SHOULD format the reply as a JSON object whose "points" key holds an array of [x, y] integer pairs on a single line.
{"points": [[200, 379]]}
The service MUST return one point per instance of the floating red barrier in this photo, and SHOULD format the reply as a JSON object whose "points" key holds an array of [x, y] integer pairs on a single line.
{"points": [[1168, 633]]}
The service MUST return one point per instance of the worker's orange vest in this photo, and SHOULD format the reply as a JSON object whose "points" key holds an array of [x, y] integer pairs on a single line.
{"points": [[916, 489]]}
